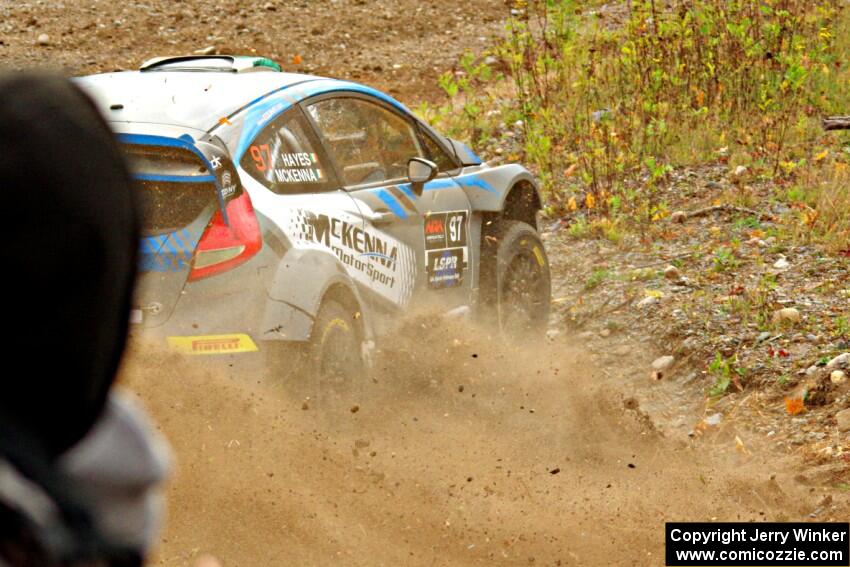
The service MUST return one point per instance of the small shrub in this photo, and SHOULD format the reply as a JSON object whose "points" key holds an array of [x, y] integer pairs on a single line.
{"points": [[596, 278], [725, 373], [724, 259]]}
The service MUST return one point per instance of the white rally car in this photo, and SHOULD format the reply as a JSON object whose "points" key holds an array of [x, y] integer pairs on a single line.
{"points": [[291, 209]]}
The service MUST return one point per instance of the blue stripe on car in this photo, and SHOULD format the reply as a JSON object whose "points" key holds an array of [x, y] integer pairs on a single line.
{"points": [[437, 184], [392, 203], [170, 245], [329, 86], [405, 188], [175, 178], [475, 181], [253, 126], [433, 185], [176, 237]]}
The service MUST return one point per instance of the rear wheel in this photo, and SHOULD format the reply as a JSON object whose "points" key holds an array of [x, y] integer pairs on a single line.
{"points": [[335, 362], [515, 281]]}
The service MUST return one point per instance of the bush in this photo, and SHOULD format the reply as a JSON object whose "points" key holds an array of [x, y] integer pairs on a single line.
{"points": [[609, 107]]}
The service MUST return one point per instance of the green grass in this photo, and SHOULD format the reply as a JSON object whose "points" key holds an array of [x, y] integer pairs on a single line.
{"points": [[597, 277], [842, 327], [724, 259], [608, 109], [722, 369]]}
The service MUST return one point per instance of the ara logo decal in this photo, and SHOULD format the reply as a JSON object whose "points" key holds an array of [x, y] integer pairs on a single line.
{"points": [[434, 226], [445, 230]]}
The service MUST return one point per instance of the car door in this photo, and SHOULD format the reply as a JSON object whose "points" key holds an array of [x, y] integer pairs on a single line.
{"points": [[369, 143], [292, 182], [303, 210]]}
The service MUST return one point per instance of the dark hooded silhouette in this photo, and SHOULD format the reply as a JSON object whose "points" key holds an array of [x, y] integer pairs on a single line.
{"points": [[69, 255], [70, 239]]}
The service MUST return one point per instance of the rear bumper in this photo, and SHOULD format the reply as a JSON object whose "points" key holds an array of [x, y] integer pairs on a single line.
{"points": [[229, 313]]}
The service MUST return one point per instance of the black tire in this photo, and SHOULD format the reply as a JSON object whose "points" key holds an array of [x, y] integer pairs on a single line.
{"points": [[515, 285], [334, 356]]}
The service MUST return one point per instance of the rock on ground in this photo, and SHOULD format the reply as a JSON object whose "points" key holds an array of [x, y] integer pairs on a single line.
{"points": [[843, 419], [663, 363], [788, 315], [840, 361]]}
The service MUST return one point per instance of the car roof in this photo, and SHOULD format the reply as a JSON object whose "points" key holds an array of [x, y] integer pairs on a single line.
{"points": [[197, 100]]}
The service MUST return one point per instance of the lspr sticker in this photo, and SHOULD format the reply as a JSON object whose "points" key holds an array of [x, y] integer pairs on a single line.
{"points": [[445, 268]]}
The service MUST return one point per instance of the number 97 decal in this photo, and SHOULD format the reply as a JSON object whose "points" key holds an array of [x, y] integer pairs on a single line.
{"points": [[262, 156]]}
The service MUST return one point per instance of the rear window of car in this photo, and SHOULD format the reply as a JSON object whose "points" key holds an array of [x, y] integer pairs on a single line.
{"points": [[167, 207], [174, 184], [286, 158]]}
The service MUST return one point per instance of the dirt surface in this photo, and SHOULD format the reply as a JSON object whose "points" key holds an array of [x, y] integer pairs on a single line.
{"points": [[466, 452], [398, 45], [641, 302]]}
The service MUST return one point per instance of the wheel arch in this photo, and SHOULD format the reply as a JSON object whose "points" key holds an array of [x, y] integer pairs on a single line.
{"points": [[292, 304], [507, 191], [522, 203]]}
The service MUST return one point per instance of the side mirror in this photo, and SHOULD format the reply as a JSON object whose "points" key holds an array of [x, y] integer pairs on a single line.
{"points": [[420, 171]]}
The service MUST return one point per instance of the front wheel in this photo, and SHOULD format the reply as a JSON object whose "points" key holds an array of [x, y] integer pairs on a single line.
{"points": [[515, 280]]}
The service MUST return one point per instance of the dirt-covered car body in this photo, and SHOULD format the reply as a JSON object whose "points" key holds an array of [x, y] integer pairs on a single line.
{"points": [[267, 192]]}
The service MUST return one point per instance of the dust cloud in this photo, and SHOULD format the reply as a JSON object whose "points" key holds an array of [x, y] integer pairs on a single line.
{"points": [[463, 450]]}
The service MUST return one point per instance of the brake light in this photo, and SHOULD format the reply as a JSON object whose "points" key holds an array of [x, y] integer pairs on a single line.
{"points": [[224, 247]]}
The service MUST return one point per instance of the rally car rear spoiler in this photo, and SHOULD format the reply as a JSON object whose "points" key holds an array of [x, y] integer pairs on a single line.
{"points": [[217, 168]]}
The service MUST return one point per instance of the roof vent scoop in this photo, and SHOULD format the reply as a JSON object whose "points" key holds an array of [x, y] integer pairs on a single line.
{"points": [[210, 63]]}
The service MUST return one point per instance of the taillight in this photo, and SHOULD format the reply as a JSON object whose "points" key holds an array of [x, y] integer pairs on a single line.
{"points": [[224, 247]]}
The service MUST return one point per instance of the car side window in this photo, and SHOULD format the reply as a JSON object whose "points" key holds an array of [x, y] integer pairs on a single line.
{"points": [[369, 143], [437, 154], [286, 157]]}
